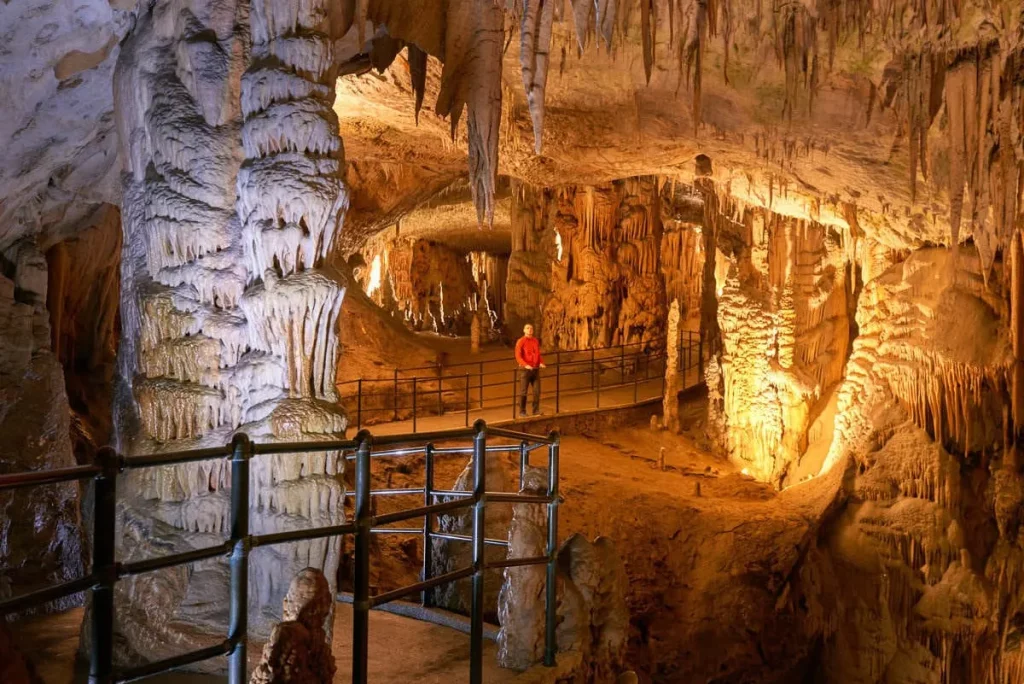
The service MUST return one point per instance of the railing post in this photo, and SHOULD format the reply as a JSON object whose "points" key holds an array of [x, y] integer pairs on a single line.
{"points": [[524, 460], [476, 631], [558, 381], [361, 589], [414, 383], [440, 398], [359, 404], [101, 660], [427, 597], [396, 394], [467, 399], [700, 356], [636, 378], [241, 451], [515, 390], [551, 596], [622, 363]]}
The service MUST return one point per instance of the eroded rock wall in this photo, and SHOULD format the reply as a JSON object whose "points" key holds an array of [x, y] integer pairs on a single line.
{"points": [[40, 535], [928, 549], [429, 285]]}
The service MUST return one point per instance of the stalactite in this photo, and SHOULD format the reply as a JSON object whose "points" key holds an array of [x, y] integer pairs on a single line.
{"points": [[535, 44], [418, 75]]}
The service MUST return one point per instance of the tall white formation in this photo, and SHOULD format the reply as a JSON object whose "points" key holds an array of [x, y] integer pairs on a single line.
{"points": [[228, 319]]}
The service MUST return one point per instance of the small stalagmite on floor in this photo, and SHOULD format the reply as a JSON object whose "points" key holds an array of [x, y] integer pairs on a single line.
{"points": [[299, 649]]}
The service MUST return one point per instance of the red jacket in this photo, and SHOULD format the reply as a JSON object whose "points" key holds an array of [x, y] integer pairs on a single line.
{"points": [[528, 352]]}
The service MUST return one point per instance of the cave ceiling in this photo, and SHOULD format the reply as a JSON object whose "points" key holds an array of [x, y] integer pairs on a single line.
{"points": [[823, 109]]}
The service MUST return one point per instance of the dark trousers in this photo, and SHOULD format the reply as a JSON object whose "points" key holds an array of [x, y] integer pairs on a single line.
{"points": [[529, 377]]}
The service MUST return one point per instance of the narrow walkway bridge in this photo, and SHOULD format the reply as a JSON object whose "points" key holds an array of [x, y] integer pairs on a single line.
{"points": [[444, 396]]}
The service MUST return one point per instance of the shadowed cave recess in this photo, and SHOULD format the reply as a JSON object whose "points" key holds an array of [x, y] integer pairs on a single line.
{"points": [[783, 238]]}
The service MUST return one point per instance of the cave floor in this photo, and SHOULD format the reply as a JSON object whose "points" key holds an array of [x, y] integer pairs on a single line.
{"points": [[429, 653], [674, 527]]}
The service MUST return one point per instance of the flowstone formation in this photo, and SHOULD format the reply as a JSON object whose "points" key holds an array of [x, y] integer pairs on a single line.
{"points": [[928, 547], [592, 263], [228, 316], [429, 285], [784, 287], [299, 648]]}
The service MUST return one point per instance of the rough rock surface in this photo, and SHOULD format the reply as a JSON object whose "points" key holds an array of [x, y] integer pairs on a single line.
{"points": [[592, 613], [299, 648], [449, 556], [40, 536]]}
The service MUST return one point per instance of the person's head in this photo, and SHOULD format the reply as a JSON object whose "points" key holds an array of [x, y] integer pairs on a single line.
{"points": [[528, 330]]}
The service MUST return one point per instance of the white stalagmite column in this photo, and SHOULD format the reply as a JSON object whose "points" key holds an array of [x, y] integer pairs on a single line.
{"points": [[670, 402], [228, 319], [291, 201], [474, 333]]}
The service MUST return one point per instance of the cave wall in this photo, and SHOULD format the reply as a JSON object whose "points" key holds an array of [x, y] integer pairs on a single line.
{"points": [[424, 282], [82, 299], [783, 289], [533, 253], [40, 535], [928, 547], [594, 264]]}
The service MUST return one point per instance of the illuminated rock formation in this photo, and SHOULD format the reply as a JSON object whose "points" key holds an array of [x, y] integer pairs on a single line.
{"points": [[228, 317], [783, 310]]}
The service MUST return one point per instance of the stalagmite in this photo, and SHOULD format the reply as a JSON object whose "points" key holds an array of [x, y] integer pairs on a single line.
{"points": [[670, 401]]}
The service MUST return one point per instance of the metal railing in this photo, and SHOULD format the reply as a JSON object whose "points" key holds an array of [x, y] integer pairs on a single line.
{"points": [[439, 389], [106, 571]]}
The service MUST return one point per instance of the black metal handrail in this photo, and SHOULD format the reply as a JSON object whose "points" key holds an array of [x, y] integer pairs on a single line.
{"points": [[106, 571], [448, 390]]}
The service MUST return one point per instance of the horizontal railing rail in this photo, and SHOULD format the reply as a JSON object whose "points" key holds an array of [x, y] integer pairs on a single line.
{"points": [[468, 387], [106, 571]]}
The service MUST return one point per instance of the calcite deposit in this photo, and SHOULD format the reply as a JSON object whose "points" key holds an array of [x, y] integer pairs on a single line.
{"points": [[299, 648]]}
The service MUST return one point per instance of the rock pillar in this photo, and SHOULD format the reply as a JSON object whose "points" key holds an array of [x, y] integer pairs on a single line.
{"points": [[670, 400], [232, 197]]}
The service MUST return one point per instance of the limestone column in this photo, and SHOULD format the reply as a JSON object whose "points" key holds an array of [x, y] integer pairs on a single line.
{"points": [[228, 318], [670, 400]]}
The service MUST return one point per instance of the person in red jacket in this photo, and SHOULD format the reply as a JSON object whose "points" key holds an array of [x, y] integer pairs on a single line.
{"points": [[530, 362]]}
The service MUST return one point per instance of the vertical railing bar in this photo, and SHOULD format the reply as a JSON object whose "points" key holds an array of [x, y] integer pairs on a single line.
{"points": [[476, 641], [101, 660], [467, 399], [481, 384], [427, 597], [558, 381], [622, 364], [414, 382], [515, 391], [598, 380], [361, 589], [241, 452], [636, 378], [591, 369], [524, 458], [550, 595]]}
